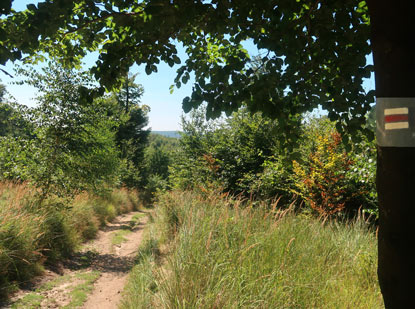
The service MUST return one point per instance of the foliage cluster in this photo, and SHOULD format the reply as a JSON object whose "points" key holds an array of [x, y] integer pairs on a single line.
{"points": [[12, 120], [34, 233], [331, 180], [159, 155], [227, 253], [242, 154], [66, 145]]}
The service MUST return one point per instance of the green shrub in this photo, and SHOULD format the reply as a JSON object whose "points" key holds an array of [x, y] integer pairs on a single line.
{"points": [[228, 155], [59, 239], [363, 174], [155, 184], [275, 181]]}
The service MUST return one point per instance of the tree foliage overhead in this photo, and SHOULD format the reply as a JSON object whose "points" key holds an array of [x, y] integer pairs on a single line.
{"points": [[313, 52]]}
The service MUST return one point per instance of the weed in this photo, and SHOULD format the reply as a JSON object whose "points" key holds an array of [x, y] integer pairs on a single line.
{"points": [[79, 293], [30, 300], [77, 287], [119, 237]]}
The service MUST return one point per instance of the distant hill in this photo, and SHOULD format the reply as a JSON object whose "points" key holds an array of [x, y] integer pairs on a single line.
{"points": [[174, 134]]}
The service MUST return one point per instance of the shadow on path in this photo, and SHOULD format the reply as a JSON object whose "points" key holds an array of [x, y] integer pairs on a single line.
{"points": [[126, 225], [105, 262]]}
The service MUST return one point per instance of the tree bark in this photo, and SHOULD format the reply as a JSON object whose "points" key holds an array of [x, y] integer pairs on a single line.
{"points": [[392, 39], [127, 100]]}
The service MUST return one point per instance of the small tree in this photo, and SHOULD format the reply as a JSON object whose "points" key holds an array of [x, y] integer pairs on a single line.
{"points": [[131, 136], [130, 93], [74, 147]]}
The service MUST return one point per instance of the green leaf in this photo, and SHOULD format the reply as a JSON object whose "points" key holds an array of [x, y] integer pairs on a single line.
{"points": [[186, 105], [176, 59], [31, 7], [148, 69]]}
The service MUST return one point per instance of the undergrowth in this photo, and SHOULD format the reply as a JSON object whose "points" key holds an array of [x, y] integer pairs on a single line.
{"points": [[224, 253], [34, 233]]}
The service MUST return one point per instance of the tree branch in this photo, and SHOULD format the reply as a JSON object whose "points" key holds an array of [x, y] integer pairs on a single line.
{"points": [[86, 24], [7, 73]]}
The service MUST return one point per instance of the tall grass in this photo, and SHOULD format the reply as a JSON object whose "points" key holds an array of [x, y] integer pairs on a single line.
{"points": [[34, 233], [21, 235], [228, 255]]}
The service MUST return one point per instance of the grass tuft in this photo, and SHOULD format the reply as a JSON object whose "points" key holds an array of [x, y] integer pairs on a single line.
{"points": [[224, 253]]}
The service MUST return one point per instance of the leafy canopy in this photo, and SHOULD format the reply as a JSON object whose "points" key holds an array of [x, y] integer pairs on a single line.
{"points": [[314, 53]]}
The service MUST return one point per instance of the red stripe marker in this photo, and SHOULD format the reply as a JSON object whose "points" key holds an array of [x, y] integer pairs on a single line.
{"points": [[396, 118]]}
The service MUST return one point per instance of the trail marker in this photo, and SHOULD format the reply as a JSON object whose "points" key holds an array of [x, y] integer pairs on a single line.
{"points": [[395, 122]]}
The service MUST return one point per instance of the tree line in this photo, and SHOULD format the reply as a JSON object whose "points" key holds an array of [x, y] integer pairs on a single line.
{"points": [[65, 145]]}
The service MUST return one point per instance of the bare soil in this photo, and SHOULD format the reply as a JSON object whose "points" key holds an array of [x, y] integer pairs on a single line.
{"points": [[99, 270]]}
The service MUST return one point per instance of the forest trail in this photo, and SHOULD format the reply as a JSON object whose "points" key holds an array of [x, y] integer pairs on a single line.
{"points": [[95, 276]]}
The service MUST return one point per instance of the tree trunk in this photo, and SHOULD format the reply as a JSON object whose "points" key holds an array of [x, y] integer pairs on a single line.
{"points": [[392, 40], [127, 99]]}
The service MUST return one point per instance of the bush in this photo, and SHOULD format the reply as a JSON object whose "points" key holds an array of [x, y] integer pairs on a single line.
{"points": [[275, 181], [84, 217], [363, 175], [228, 155], [331, 180], [322, 181], [155, 184]]}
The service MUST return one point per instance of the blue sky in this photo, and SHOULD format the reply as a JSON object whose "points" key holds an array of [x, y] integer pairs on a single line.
{"points": [[166, 108]]}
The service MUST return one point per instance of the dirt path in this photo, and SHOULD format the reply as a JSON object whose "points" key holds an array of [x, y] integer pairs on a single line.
{"points": [[95, 276], [116, 261]]}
